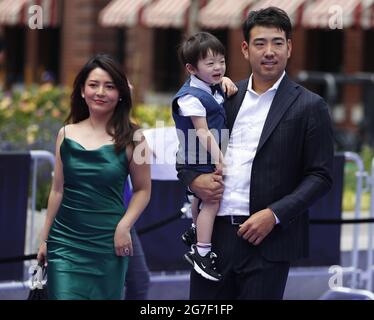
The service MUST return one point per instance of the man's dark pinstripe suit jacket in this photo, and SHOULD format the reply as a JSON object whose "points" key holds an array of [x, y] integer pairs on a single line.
{"points": [[292, 167]]}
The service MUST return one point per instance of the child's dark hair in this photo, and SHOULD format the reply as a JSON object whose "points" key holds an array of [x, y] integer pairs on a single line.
{"points": [[268, 17], [197, 47]]}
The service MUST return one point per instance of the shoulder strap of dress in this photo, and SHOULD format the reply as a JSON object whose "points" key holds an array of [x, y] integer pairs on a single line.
{"points": [[64, 131]]}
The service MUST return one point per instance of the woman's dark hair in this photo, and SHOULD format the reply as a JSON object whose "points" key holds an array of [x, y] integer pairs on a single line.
{"points": [[119, 125], [197, 46], [268, 17]]}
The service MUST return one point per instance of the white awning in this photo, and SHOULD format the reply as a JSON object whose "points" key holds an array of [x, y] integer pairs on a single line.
{"points": [[166, 14], [16, 12], [329, 13], [294, 8], [119, 13], [224, 14]]}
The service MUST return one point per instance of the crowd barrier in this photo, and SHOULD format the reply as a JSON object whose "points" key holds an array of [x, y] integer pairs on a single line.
{"points": [[16, 171], [361, 276], [324, 237], [162, 245], [14, 182]]}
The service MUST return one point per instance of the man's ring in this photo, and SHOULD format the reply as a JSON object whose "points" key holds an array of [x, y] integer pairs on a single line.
{"points": [[127, 251]]}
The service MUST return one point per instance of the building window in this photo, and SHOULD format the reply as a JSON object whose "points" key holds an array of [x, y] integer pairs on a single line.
{"points": [[368, 51], [326, 48], [15, 55], [326, 55], [167, 68], [120, 43], [49, 54]]}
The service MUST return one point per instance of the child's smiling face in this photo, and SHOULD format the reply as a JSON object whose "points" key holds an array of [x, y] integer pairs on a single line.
{"points": [[210, 69]]}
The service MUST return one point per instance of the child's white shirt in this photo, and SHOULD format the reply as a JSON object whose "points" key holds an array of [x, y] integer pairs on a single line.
{"points": [[191, 106]]}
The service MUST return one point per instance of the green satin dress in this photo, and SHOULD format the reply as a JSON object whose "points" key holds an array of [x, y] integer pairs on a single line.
{"points": [[82, 263]]}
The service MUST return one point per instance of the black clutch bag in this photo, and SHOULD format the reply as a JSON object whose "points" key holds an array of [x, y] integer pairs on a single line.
{"points": [[38, 285]]}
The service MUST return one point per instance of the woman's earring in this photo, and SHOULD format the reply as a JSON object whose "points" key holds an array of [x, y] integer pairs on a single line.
{"points": [[120, 99], [82, 96]]}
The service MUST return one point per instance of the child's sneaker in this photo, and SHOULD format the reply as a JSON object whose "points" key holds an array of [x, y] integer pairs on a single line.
{"points": [[205, 266], [188, 257], [190, 237]]}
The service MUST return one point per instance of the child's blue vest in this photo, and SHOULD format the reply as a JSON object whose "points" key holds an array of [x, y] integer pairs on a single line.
{"points": [[193, 154]]}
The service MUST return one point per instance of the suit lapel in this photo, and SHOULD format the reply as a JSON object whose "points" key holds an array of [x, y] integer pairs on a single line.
{"points": [[232, 105], [283, 99]]}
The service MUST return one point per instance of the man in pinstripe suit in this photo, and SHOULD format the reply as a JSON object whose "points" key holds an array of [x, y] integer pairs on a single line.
{"points": [[279, 161]]}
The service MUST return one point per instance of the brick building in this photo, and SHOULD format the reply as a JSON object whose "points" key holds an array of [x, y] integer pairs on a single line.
{"points": [[329, 36]]}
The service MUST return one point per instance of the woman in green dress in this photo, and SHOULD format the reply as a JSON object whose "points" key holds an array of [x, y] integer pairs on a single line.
{"points": [[86, 238]]}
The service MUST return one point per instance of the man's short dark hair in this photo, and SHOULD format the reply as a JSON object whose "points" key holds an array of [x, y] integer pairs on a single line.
{"points": [[197, 47], [268, 17]]}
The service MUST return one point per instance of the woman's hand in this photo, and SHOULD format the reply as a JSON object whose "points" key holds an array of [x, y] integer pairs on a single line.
{"points": [[228, 86], [42, 254], [122, 240]]}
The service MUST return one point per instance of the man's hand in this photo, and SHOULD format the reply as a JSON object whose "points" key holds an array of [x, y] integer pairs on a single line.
{"points": [[208, 186], [257, 226]]}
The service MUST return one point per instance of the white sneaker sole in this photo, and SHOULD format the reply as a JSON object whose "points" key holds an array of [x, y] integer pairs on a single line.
{"points": [[203, 273]]}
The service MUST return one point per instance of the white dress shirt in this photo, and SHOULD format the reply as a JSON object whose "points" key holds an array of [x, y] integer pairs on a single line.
{"points": [[191, 106], [242, 148]]}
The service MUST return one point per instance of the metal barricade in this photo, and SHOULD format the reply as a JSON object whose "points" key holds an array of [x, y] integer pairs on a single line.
{"points": [[353, 270], [365, 276], [36, 157], [360, 174], [368, 275], [357, 275]]}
